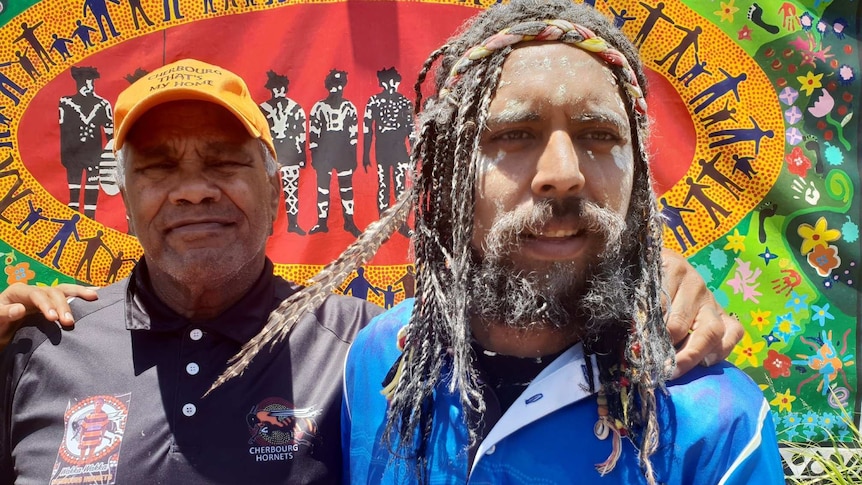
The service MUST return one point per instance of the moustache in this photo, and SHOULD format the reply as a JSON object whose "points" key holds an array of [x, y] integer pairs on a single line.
{"points": [[510, 228]]}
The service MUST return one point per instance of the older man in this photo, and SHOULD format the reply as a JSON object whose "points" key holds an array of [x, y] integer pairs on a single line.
{"points": [[119, 400], [536, 350]]}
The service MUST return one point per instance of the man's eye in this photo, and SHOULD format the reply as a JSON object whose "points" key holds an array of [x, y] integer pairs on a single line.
{"points": [[513, 135], [156, 167], [601, 136]]}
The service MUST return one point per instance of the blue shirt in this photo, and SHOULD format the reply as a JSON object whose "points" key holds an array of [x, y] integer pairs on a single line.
{"points": [[716, 427]]}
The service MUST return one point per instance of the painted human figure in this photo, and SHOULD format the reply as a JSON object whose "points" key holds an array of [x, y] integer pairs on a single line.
{"points": [[360, 286], [28, 33], [708, 169], [84, 117], [333, 131], [389, 296], [93, 244], [68, 229], [738, 135], [729, 84], [175, 11], [83, 31], [408, 282], [655, 14], [388, 122], [696, 70], [61, 45], [743, 165], [287, 124], [689, 40], [676, 224], [99, 9], [117, 262], [724, 114], [34, 216], [620, 18], [25, 63], [7, 86], [135, 8], [698, 192]]}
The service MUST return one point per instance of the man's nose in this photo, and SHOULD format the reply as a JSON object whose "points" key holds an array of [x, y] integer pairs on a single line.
{"points": [[194, 187], [558, 170]]}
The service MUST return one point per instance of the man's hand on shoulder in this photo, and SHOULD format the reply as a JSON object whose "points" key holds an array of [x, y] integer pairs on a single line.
{"points": [[19, 300], [700, 328]]}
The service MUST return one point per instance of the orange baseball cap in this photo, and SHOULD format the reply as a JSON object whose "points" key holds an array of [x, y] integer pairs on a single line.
{"points": [[189, 79]]}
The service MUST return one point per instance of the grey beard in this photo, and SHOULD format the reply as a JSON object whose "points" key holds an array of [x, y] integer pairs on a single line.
{"points": [[580, 301]]}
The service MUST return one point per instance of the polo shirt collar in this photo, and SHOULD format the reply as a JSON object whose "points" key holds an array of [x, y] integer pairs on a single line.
{"points": [[240, 322]]}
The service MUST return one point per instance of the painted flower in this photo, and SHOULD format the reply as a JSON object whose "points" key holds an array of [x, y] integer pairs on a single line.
{"points": [[806, 20], [824, 259], [821, 314], [809, 82], [822, 27], [797, 162], [744, 33], [810, 419], [846, 74], [797, 302], [823, 106], [791, 419], [10, 258], [746, 351], [20, 273], [818, 235], [727, 11], [838, 27], [735, 242], [778, 365], [760, 319], [783, 400], [785, 327], [827, 422]]}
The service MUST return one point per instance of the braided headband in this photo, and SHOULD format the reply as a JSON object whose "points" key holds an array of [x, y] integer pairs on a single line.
{"points": [[555, 29]]}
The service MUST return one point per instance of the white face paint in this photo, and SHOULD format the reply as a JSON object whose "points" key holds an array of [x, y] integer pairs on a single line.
{"points": [[486, 163], [622, 159]]}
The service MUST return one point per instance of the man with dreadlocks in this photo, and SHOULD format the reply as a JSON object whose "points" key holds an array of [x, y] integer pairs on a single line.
{"points": [[536, 345]]}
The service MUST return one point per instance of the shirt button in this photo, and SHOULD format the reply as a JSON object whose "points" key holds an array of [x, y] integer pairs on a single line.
{"points": [[196, 334], [491, 450], [192, 368], [189, 409]]}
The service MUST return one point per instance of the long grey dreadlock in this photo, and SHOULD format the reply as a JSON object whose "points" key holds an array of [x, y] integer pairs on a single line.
{"points": [[442, 199]]}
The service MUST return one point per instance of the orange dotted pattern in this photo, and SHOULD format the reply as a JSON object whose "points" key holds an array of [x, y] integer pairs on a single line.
{"points": [[377, 276], [757, 100]]}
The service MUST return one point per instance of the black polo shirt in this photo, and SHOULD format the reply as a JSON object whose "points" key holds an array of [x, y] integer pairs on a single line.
{"points": [[119, 399]]}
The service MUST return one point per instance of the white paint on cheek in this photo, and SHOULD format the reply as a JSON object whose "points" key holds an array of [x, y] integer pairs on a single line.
{"points": [[623, 159], [485, 164]]}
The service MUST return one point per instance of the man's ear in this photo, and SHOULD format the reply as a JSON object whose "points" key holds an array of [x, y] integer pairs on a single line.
{"points": [[131, 229], [275, 185]]}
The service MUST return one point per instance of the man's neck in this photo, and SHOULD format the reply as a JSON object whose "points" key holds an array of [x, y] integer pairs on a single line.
{"points": [[203, 300], [535, 342]]}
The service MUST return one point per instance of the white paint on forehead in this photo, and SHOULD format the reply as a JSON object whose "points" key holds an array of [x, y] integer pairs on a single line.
{"points": [[514, 107], [623, 158]]}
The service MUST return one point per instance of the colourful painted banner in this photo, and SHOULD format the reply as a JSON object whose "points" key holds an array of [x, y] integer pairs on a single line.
{"points": [[755, 148]]}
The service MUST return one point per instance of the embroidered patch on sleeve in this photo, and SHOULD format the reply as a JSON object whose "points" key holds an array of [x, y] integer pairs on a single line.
{"points": [[93, 433]]}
